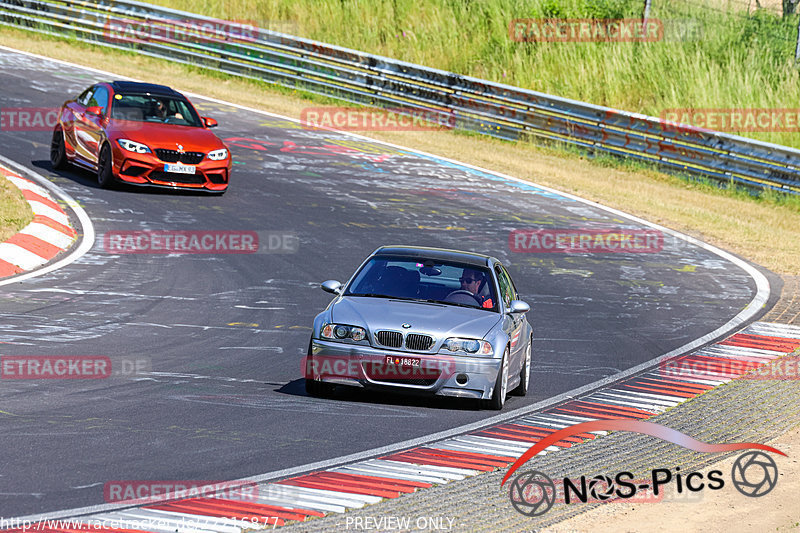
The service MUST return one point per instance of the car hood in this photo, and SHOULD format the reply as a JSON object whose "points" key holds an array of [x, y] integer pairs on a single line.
{"points": [[167, 136], [439, 320]]}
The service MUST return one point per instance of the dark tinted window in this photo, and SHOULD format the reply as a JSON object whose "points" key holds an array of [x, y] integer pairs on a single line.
{"points": [[449, 283], [83, 99], [507, 276], [506, 287], [146, 108], [99, 98]]}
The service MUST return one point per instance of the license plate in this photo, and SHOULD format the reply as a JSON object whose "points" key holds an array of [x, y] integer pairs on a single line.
{"points": [[402, 361], [178, 168]]}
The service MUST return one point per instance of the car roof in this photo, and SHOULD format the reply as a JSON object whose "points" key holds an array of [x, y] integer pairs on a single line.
{"points": [[437, 254], [135, 87]]}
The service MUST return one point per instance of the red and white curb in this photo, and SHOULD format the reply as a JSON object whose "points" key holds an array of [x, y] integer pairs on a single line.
{"points": [[49, 234], [366, 482]]}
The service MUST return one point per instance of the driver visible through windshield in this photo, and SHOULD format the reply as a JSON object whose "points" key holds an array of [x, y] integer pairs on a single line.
{"points": [[416, 279], [152, 108]]}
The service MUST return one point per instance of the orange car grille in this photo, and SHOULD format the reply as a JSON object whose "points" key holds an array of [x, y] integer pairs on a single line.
{"points": [[174, 156]]}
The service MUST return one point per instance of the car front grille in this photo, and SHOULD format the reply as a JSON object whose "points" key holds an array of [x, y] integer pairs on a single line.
{"points": [[174, 156], [419, 343], [416, 382], [176, 178], [389, 375], [392, 339]]}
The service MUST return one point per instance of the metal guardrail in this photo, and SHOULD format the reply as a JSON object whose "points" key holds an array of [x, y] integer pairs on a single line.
{"points": [[477, 105]]}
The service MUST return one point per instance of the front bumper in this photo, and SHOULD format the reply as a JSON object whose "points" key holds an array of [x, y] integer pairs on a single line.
{"points": [[147, 169], [365, 366]]}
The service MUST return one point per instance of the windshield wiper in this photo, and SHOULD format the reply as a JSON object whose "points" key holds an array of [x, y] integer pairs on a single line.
{"points": [[404, 298], [467, 306], [437, 302]]}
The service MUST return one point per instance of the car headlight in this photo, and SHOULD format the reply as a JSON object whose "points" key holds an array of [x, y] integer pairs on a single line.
{"points": [[218, 155], [339, 332], [470, 346], [133, 146]]}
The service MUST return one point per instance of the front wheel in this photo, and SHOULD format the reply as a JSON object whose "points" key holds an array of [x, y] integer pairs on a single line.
{"points": [[58, 151], [318, 389], [525, 373], [105, 171], [500, 386]]}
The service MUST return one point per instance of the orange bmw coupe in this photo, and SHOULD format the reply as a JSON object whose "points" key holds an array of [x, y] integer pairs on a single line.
{"points": [[140, 134]]}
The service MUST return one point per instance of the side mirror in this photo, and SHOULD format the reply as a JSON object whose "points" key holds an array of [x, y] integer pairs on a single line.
{"points": [[94, 110], [209, 122], [518, 306], [332, 286]]}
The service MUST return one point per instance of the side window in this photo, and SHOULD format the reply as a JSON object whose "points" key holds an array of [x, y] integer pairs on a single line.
{"points": [[83, 99], [99, 98], [514, 293], [506, 290]]}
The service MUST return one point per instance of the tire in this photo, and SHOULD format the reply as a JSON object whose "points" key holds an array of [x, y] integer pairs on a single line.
{"points": [[318, 389], [500, 387], [58, 151], [105, 168], [525, 373]]}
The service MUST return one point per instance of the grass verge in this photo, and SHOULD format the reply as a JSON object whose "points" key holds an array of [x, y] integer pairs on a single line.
{"points": [[15, 213], [763, 230]]}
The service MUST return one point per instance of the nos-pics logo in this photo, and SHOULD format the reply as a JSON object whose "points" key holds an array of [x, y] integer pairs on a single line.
{"points": [[533, 493]]}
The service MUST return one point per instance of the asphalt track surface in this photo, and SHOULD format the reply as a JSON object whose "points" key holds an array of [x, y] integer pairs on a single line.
{"points": [[224, 333]]}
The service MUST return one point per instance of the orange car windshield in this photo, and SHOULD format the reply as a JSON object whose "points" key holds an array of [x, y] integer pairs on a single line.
{"points": [[148, 108]]}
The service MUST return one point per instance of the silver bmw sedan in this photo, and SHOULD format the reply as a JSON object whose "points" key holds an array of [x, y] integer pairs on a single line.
{"points": [[423, 320]]}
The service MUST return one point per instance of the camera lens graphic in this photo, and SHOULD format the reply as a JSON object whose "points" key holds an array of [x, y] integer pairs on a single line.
{"points": [[601, 488], [754, 474], [532, 493]]}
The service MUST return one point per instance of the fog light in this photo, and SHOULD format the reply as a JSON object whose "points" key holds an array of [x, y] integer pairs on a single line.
{"points": [[462, 379]]}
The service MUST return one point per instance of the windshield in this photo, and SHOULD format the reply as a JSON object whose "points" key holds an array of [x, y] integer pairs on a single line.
{"points": [[147, 108], [426, 280]]}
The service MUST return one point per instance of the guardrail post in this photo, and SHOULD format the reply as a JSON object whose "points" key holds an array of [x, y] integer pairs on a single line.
{"points": [[645, 16], [797, 48]]}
